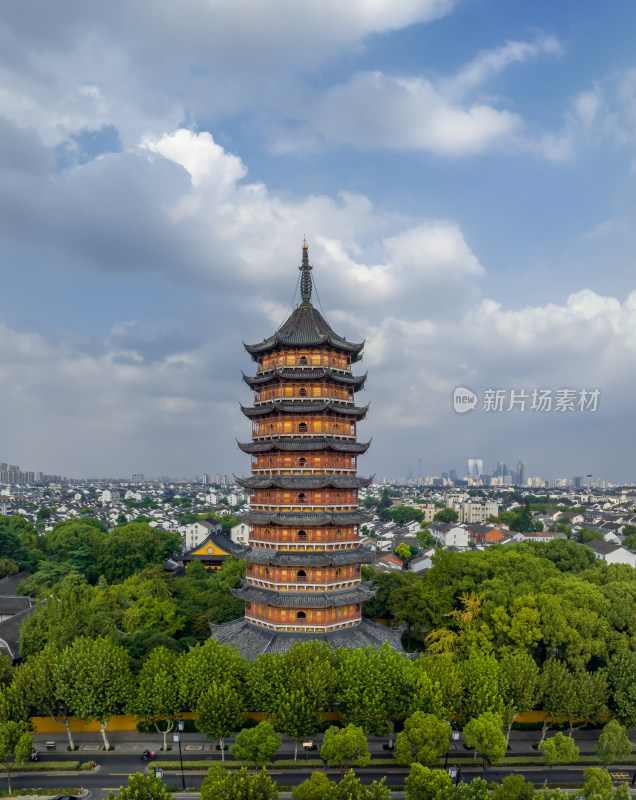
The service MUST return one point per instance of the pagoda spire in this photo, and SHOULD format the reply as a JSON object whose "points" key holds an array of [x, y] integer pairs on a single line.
{"points": [[305, 279]]}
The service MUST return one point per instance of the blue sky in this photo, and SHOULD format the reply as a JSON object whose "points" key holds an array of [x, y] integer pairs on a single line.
{"points": [[463, 171]]}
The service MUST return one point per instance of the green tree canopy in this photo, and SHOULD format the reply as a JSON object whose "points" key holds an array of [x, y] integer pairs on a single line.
{"points": [[613, 744], [345, 747], [142, 787], [257, 745]]}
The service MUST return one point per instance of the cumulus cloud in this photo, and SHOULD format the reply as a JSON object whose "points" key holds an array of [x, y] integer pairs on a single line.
{"points": [[143, 66], [378, 110]]}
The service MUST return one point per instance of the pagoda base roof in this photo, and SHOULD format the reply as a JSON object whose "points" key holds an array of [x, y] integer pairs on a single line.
{"points": [[252, 640]]}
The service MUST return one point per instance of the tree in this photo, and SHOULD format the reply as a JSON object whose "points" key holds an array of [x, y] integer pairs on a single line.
{"points": [[403, 514], [590, 698], [16, 741], [556, 690], [317, 787], [220, 711], [558, 749], [484, 734], [424, 739], [482, 686], [425, 784], [94, 680], [597, 785], [403, 551], [142, 787], [36, 681], [345, 747], [257, 745], [157, 697], [613, 744], [207, 663], [296, 716], [127, 549], [447, 515], [621, 677], [222, 784], [519, 686], [514, 787], [350, 788]]}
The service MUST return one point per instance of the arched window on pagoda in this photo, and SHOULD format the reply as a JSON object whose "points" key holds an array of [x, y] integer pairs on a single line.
{"points": [[268, 532], [302, 536], [303, 361], [302, 392], [302, 497], [301, 575], [338, 572], [302, 462], [338, 533], [301, 615], [302, 427]]}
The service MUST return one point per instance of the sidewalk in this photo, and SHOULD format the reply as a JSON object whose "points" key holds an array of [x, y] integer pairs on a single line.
{"points": [[197, 745]]}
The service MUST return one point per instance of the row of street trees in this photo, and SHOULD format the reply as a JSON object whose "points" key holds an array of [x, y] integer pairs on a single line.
{"points": [[421, 784]]}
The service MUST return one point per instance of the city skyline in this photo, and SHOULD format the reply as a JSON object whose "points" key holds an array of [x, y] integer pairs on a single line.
{"points": [[463, 172]]}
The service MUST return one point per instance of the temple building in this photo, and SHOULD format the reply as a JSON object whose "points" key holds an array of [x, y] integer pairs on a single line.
{"points": [[304, 557]]}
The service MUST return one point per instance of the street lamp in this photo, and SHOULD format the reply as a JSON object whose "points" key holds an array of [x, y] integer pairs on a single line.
{"points": [[454, 738], [176, 737]]}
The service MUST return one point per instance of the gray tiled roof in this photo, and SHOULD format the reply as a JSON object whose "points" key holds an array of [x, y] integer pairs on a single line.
{"points": [[304, 444], [253, 641], [306, 374], [305, 326], [303, 481], [342, 597], [11, 583], [311, 558], [10, 633], [300, 407], [305, 518]]}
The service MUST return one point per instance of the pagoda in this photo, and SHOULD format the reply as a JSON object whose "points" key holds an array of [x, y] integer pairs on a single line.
{"points": [[304, 555]]}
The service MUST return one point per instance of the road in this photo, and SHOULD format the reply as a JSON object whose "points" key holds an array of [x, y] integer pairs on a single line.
{"points": [[115, 769]]}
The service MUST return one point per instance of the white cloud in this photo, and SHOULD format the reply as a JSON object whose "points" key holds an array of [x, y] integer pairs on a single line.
{"points": [[378, 110], [491, 62]]}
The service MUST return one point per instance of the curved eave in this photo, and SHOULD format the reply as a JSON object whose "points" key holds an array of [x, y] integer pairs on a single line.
{"points": [[305, 519], [304, 481], [308, 374], [309, 558], [305, 408], [304, 444], [300, 600]]}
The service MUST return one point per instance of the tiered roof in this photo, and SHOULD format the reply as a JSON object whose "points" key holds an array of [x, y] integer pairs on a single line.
{"points": [[252, 641], [309, 558], [305, 444], [305, 407], [303, 481], [310, 374], [326, 599], [336, 518]]}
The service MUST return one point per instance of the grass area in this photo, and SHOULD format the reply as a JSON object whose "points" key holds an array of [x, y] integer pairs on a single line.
{"points": [[42, 792], [46, 766]]}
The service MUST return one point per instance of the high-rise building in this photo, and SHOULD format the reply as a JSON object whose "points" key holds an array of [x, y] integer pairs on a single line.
{"points": [[304, 556], [452, 475], [475, 468]]}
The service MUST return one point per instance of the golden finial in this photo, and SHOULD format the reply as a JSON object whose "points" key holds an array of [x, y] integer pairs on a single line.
{"points": [[305, 245]]}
